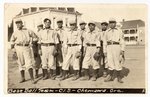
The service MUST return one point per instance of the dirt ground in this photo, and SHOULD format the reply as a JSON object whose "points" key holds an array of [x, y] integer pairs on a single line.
{"points": [[133, 74]]}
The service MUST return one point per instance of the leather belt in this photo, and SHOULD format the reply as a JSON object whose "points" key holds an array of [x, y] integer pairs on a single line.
{"points": [[22, 44], [112, 43], [70, 45], [47, 44], [90, 44], [61, 42]]}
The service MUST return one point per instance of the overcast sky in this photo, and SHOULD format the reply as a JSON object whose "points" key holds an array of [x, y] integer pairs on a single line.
{"points": [[96, 12]]}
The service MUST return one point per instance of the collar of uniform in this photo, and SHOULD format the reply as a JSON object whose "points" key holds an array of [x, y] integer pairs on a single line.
{"points": [[82, 30], [112, 29], [47, 29], [94, 31], [60, 29], [73, 30], [22, 29]]}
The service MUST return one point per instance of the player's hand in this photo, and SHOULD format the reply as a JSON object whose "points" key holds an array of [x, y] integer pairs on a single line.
{"points": [[14, 55], [31, 45], [40, 52], [122, 53]]}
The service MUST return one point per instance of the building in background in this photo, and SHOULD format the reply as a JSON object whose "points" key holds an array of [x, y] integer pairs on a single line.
{"points": [[134, 32], [33, 15]]}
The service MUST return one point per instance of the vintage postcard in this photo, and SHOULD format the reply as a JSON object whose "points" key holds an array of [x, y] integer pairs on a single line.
{"points": [[76, 48]]}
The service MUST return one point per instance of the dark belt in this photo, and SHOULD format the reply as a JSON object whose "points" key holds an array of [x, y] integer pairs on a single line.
{"points": [[61, 42], [112, 43], [22, 44], [70, 45], [90, 44], [47, 44]]}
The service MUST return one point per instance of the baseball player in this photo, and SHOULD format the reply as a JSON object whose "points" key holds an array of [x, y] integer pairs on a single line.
{"points": [[72, 46], [60, 32], [104, 26], [37, 57], [48, 49], [82, 30], [114, 47], [21, 40], [92, 51]]}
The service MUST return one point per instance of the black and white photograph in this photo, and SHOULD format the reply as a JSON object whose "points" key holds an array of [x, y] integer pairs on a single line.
{"points": [[76, 48]]}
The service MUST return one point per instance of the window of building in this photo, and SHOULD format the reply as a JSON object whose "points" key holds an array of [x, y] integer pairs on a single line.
{"points": [[126, 31], [132, 32], [43, 8], [62, 8], [132, 39], [52, 8], [136, 38], [33, 9], [70, 9], [126, 39], [25, 11]]}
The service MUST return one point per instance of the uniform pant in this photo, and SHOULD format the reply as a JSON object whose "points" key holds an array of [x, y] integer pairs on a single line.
{"points": [[70, 59], [48, 60], [113, 57], [60, 56], [24, 57], [37, 57], [89, 60]]}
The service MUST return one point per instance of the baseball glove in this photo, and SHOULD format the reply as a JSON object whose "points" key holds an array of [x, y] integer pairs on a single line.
{"points": [[96, 56], [78, 54], [55, 53]]}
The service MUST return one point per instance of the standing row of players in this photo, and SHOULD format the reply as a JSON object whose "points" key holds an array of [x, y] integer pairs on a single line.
{"points": [[61, 48]]}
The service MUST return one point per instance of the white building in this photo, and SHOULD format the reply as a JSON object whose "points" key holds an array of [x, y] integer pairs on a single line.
{"points": [[33, 15], [134, 32]]}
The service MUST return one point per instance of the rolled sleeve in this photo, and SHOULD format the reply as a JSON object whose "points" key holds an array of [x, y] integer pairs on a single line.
{"points": [[56, 38], [65, 38], [105, 43], [13, 38], [122, 42], [98, 39], [39, 37], [79, 38]]}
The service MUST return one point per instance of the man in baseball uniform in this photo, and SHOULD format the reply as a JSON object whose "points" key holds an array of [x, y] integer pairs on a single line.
{"points": [[48, 49], [21, 40], [72, 46], [92, 50], [60, 30], [114, 47], [82, 30], [37, 57], [104, 27]]}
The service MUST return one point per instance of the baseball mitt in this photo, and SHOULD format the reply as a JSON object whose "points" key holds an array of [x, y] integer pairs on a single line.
{"points": [[96, 56], [78, 54]]}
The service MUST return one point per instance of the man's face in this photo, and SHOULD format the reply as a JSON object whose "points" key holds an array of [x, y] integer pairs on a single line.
{"points": [[82, 26], [72, 26], [112, 25], [91, 27], [47, 24], [59, 24], [19, 25], [104, 27]]}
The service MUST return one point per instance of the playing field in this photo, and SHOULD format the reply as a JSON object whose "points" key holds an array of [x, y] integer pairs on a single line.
{"points": [[133, 72]]}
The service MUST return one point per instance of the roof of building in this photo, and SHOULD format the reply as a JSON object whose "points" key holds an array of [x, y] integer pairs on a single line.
{"points": [[132, 24], [34, 10]]}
